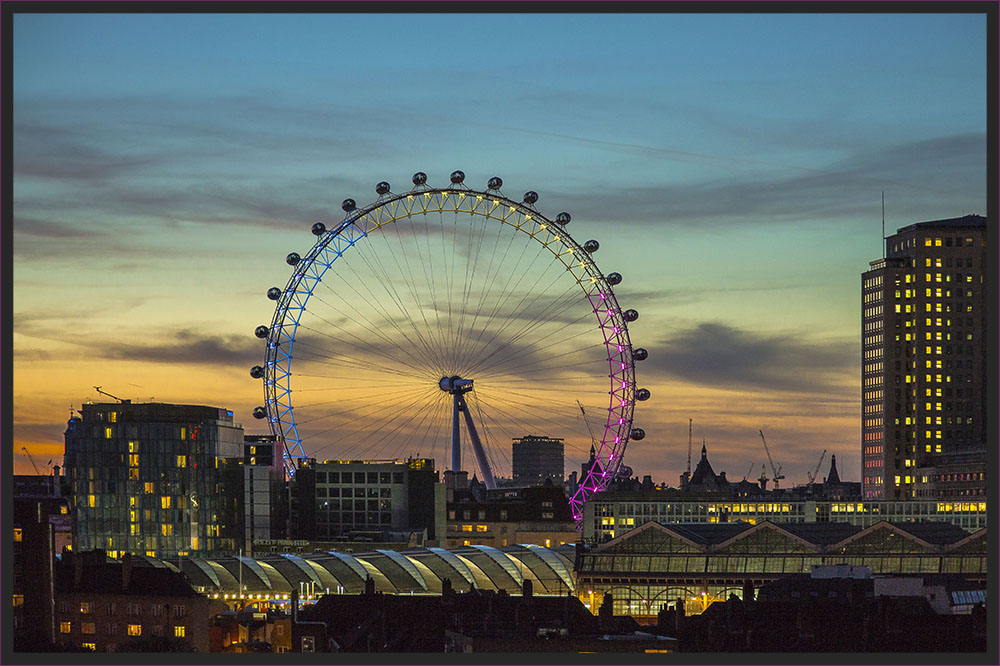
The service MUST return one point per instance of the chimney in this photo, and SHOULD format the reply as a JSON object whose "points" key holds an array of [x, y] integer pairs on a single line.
{"points": [[295, 607], [526, 589], [126, 570]]}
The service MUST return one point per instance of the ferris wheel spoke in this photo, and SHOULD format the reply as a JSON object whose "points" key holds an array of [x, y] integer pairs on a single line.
{"points": [[545, 362], [400, 413], [505, 296], [364, 412], [363, 346], [515, 411], [475, 238], [375, 303], [392, 436], [315, 355], [374, 263]]}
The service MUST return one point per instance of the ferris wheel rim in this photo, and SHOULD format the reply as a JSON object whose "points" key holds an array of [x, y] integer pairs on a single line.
{"points": [[523, 217]]}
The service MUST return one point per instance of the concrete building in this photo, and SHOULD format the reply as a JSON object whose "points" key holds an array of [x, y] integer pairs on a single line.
{"points": [[535, 459], [265, 501], [924, 363], [361, 499], [538, 515], [156, 479]]}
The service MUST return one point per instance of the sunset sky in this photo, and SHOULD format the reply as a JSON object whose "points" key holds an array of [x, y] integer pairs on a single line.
{"points": [[731, 166]]}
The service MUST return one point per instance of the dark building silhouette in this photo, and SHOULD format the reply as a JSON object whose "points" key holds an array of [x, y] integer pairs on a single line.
{"points": [[924, 340], [535, 459]]}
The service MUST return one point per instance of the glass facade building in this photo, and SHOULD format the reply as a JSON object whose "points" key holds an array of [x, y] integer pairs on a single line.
{"points": [[155, 479]]}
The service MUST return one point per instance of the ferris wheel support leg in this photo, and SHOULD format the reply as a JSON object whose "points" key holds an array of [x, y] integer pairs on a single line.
{"points": [[477, 446], [456, 445]]}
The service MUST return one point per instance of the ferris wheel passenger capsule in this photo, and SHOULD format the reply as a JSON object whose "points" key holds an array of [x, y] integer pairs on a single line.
{"points": [[637, 434], [457, 177], [261, 332], [318, 229], [256, 372], [259, 412], [640, 354], [631, 315], [530, 197], [348, 205], [563, 218], [642, 394], [614, 278], [495, 183], [274, 293], [591, 246], [382, 188], [292, 258], [419, 178]]}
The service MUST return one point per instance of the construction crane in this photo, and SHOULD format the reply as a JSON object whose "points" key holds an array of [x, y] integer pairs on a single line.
{"points": [[752, 463], [31, 460], [98, 389], [775, 471], [815, 470], [593, 439]]}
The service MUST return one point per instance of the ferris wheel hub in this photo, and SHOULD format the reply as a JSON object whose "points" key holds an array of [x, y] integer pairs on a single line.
{"points": [[455, 384]]}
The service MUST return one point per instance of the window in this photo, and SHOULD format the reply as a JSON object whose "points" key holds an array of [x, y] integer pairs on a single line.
{"points": [[481, 528], [167, 529], [165, 502], [135, 630], [18, 600], [180, 611], [157, 610], [181, 461], [179, 631], [133, 460], [111, 629], [65, 627], [17, 534], [89, 646], [86, 607], [466, 528], [88, 628]]}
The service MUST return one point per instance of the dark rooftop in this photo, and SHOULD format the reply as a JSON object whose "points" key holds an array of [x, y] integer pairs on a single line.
{"points": [[964, 221]]}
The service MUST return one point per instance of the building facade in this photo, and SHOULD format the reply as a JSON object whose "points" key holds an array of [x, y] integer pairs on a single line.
{"points": [[610, 514], [156, 479], [342, 499], [924, 362], [264, 497], [654, 565], [537, 515], [535, 459]]}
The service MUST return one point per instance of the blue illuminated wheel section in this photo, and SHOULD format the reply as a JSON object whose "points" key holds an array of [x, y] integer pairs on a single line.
{"points": [[413, 291]]}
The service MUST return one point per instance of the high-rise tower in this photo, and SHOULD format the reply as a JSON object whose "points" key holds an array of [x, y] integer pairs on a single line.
{"points": [[923, 354]]}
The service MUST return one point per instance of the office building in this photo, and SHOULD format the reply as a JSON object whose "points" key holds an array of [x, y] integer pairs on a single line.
{"points": [[924, 363], [156, 479], [345, 499], [534, 459], [265, 501]]}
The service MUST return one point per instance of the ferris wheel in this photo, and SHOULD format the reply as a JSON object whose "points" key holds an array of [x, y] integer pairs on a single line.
{"points": [[443, 305]]}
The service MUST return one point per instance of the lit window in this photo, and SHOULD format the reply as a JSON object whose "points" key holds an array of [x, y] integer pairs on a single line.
{"points": [[181, 461], [85, 607], [179, 632], [89, 646], [107, 432], [18, 600], [133, 460], [481, 528], [148, 487], [65, 627], [17, 534], [466, 528], [167, 529], [135, 630], [165, 502], [88, 628]]}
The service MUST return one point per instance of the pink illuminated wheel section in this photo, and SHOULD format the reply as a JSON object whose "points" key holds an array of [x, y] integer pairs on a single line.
{"points": [[443, 323]]}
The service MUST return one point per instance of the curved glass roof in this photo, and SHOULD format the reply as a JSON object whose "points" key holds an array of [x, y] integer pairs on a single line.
{"points": [[417, 570]]}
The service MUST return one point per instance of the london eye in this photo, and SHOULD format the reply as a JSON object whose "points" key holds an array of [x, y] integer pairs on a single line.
{"points": [[442, 307]]}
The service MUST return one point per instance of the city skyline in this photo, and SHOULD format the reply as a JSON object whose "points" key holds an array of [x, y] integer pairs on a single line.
{"points": [[731, 167]]}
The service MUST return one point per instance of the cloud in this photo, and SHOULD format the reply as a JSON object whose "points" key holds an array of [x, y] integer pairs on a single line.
{"points": [[933, 174], [186, 346], [718, 355]]}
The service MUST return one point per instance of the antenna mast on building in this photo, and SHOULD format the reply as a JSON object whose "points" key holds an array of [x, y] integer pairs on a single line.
{"points": [[689, 449], [883, 222]]}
